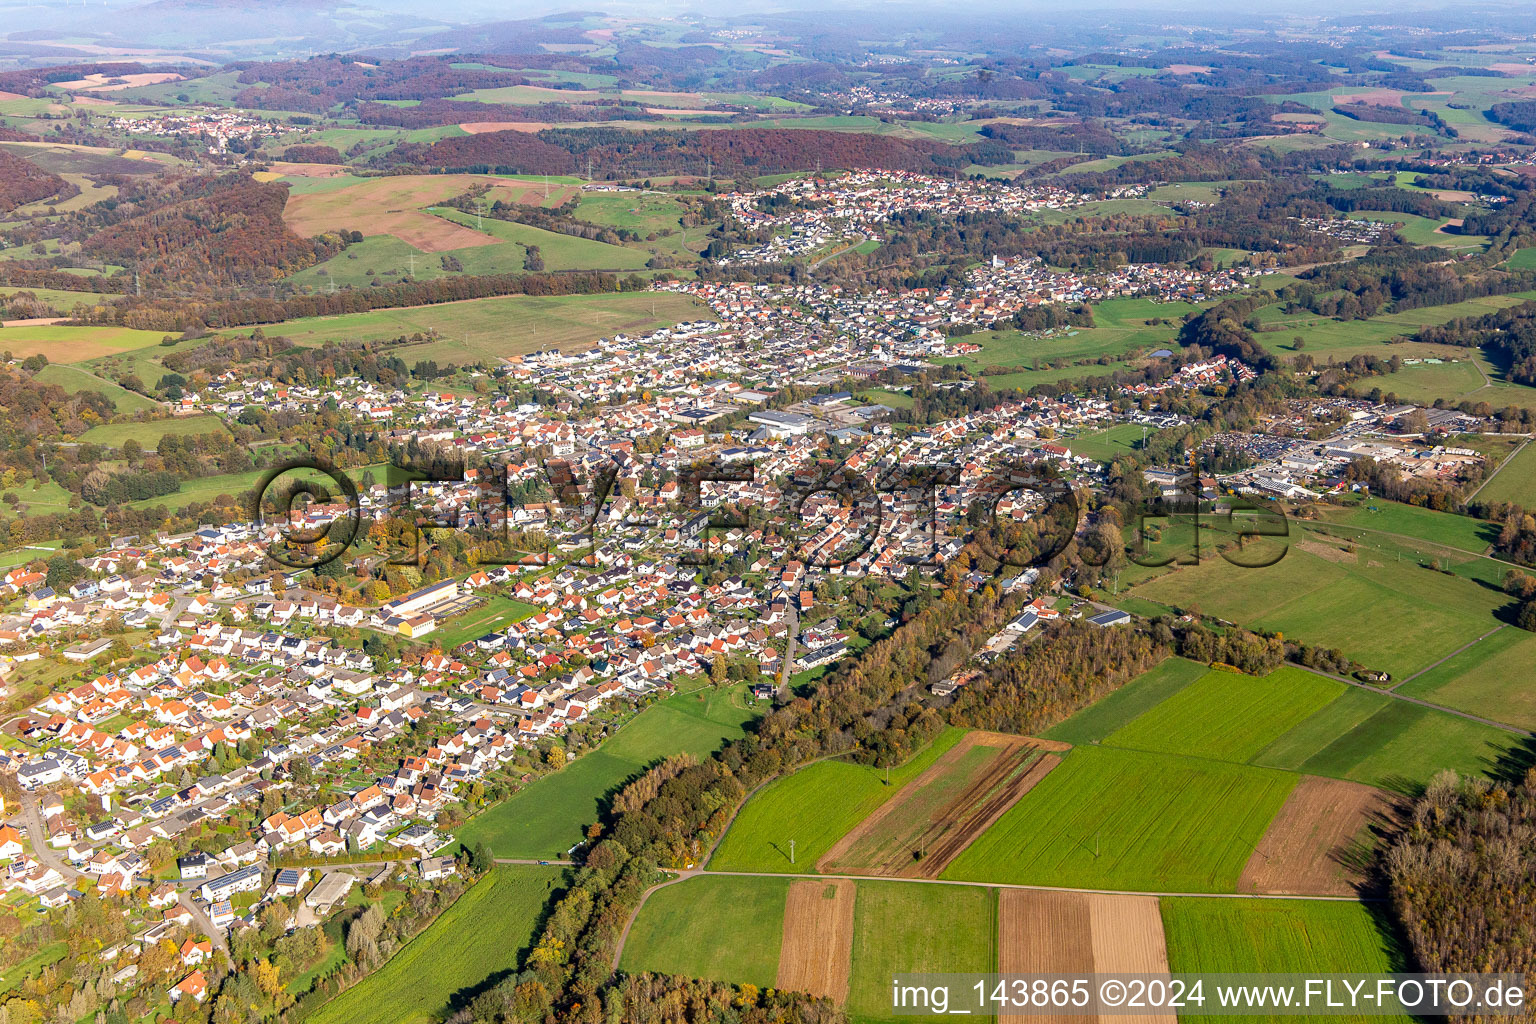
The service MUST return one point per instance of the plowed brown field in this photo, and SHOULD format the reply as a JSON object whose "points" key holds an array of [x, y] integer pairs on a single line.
{"points": [[814, 955], [1043, 932], [1309, 849]]}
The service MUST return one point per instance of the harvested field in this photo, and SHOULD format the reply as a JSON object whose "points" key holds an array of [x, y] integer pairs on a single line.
{"points": [[292, 170], [1375, 98], [6, 97], [36, 321], [1310, 847], [815, 953], [486, 127], [661, 94], [943, 810], [101, 83], [1327, 551], [1041, 932], [388, 206], [1189, 69], [396, 206], [1128, 939]]}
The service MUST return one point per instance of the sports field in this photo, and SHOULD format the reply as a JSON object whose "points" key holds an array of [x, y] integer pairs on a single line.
{"points": [[1106, 445], [481, 937], [496, 614], [486, 330], [814, 807], [1120, 819], [547, 818], [726, 928], [1227, 715]]}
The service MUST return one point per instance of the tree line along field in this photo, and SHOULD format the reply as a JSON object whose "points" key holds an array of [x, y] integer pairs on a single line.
{"points": [[481, 936], [720, 927], [75, 380], [388, 260], [1376, 739], [1121, 326], [149, 433], [396, 205], [921, 829], [1299, 721], [1107, 445], [73, 344], [1120, 707], [547, 818], [559, 251]]}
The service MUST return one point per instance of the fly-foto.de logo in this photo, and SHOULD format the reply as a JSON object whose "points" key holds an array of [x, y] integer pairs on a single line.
{"points": [[1020, 514]]}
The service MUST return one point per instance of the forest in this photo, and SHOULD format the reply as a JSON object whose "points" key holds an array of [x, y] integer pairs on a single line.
{"points": [[22, 182], [1462, 878], [320, 83], [623, 153], [229, 232]]}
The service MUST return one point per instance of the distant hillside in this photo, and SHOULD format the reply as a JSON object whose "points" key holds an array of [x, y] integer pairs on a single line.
{"points": [[618, 153], [232, 234], [22, 183]]}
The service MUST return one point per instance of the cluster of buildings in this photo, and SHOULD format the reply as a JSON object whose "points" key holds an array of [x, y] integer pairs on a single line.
{"points": [[806, 214], [1285, 465], [1002, 286], [216, 124], [1346, 231]]}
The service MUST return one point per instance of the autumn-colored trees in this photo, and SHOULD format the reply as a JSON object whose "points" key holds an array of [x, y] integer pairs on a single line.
{"points": [[22, 182], [1463, 875]]}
